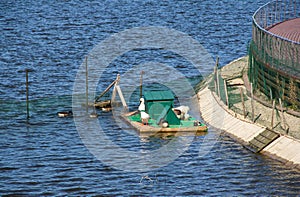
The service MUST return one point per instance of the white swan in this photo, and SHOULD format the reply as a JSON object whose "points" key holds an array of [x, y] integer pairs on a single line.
{"points": [[142, 105], [182, 112], [144, 117]]}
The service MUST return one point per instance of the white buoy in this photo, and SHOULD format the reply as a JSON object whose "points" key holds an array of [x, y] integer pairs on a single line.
{"points": [[165, 124]]}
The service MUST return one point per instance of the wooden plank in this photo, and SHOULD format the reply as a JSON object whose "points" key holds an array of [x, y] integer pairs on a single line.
{"points": [[121, 96], [102, 104], [269, 135], [105, 91], [263, 139]]}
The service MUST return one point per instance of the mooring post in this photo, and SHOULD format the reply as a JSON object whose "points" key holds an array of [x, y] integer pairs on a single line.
{"points": [[86, 84], [141, 84], [27, 94]]}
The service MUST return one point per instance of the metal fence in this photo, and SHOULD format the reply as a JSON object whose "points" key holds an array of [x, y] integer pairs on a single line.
{"points": [[274, 61]]}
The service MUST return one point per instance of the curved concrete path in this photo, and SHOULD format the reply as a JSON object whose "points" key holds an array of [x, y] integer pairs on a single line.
{"points": [[216, 114]]}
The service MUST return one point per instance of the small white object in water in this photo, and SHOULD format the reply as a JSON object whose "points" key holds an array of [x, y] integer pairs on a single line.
{"points": [[64, 114], [106, 109]]}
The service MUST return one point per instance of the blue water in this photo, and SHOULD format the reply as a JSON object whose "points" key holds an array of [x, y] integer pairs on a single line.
{"points": [[46, 156]]}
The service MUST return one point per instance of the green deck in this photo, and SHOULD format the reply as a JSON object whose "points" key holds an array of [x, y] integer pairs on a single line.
{"points": [[152, 122]]}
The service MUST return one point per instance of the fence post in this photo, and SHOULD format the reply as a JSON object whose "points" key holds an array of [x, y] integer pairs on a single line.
{"points": [[226, 93], [218, 84], [272, 117], [282, 118], [252, 104], [243, 101], [216, 75]]}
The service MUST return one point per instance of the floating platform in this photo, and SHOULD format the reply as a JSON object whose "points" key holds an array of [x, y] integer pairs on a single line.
{"points": [[102, 104], [134, 119]]}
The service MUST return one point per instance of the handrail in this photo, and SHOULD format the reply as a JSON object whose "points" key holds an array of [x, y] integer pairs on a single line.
{"points": [[263, 28]]}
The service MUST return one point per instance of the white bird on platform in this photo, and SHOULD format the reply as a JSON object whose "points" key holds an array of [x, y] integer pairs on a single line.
{"points": [[182, 112], [183, 109], [144, 117], [142, 105]]}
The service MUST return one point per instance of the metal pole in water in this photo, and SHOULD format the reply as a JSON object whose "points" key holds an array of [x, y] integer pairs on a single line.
{"points": [[86, 84], [27, 95], [141, 84]]}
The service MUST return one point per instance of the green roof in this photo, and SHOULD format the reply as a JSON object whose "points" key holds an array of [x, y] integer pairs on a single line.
{"points": [[159, 95]]}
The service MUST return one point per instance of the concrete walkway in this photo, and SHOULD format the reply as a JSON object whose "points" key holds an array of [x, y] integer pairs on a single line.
{"points": [[286, 149], [214, 112]]}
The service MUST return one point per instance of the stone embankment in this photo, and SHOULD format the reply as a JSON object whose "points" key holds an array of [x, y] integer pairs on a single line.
{"points": [[279, 142]]}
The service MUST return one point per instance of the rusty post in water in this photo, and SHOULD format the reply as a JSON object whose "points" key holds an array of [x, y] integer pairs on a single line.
{"points": [[27, 95], [141, 84], [86, 84]]}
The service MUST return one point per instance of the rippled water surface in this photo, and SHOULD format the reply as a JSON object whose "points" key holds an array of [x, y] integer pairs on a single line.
{"points": [[46, 156]]}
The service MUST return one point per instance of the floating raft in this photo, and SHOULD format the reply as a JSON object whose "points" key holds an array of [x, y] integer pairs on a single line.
{"points": [[100, 104], [134, 119]]}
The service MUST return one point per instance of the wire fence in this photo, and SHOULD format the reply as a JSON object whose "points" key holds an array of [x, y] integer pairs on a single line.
{"points": [[233, 96], [236, 95], [274, 60]]}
